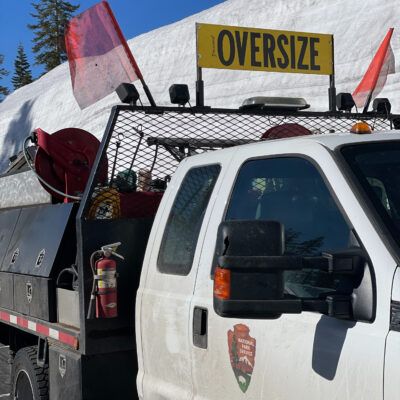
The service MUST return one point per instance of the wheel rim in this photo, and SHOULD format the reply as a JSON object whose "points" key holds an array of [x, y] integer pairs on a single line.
{"points": [[23, 387]]}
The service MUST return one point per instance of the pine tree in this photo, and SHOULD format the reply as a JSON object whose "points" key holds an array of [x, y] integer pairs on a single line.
{"points": [[49, 44], [22, 75], [3, 90]]}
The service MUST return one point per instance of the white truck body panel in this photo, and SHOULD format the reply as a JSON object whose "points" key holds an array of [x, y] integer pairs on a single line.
{"points": [[167, 305], [392, 359], [307, 350]]}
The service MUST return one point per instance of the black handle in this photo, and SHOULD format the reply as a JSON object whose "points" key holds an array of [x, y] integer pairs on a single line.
{"points": [[200, 316]]}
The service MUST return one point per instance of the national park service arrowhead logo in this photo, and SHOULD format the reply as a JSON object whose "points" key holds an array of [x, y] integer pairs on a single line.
{"points": [[242, 353]]}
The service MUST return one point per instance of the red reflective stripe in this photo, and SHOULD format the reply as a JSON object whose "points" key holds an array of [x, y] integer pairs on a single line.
{"points": [[4, 316], [44, 330], [65, 338], [22, 322]]}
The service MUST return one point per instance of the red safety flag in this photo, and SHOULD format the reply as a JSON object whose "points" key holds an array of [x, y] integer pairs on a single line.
{"points": [[375, 78], [99, 57]]}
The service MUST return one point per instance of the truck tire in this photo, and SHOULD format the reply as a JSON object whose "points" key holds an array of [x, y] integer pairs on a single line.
{"points": [[29, 381]]}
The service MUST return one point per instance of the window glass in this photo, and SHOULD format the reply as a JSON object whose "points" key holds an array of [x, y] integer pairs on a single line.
{"points": [[184, 222], [377, 168], [292, 191]]}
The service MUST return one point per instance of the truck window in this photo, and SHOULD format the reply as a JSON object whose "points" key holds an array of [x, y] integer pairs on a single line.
{"points": [[376, 167], [184, 222], [292, 191]]}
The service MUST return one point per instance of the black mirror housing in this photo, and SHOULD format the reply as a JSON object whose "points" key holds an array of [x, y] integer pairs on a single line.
{"points": [[249, 277], [239, 243], [251, 238]]}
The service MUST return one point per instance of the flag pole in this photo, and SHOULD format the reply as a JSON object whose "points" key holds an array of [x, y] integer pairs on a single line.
{"points": [[367, 102], [148, 93], [332, 89], [199, 89], [130, 56], [199, 81], [332, 93]]}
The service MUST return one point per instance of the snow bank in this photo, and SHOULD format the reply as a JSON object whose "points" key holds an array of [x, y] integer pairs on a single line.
{"points": [[167, 55]]}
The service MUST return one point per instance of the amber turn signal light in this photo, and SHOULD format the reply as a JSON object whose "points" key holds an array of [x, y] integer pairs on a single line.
{"points": [[222, 283]]}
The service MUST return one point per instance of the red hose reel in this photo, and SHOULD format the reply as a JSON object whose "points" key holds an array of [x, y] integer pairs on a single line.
{"points": [[65, 159]]}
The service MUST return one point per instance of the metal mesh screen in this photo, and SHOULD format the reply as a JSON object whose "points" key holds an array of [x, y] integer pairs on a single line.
{"points": [[146, 145]]}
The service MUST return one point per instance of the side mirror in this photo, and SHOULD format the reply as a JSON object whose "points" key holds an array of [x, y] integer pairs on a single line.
{"points": [[244, 286], [249, 277]]}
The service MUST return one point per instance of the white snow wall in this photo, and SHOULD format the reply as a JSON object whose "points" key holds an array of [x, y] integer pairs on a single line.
{"points": [[167, 55]]}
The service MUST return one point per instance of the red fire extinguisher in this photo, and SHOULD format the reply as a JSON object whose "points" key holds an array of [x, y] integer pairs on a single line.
{"points": [[104, 288]]}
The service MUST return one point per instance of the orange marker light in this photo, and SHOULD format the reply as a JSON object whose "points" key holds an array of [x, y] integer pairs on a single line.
{"points": [[222, 283], [360, 128]]}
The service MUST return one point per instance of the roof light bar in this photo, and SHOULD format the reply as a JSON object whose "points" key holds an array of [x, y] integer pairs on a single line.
{"points": [[275, 103]]}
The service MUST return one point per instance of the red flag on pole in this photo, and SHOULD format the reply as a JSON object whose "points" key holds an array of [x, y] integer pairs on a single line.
{"points": [[375, 78], [99, 57]]}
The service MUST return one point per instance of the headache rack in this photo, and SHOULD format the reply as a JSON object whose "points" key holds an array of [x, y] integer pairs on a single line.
{"points": [[142, 147]]}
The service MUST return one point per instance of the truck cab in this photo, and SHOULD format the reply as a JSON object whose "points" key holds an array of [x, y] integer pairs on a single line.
{"points": [[271, 271]]}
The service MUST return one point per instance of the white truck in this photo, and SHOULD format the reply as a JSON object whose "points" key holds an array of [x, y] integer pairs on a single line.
{"points": [[267, 271], [204, 335]]}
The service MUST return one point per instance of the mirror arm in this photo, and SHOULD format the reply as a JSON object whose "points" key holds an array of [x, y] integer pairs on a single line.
{"points": [[338, 306], [260, 263], [339, 264], [345, 261]]}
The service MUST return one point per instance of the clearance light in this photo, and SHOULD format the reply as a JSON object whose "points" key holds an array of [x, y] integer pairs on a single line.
{"points": [[222, 283], [360, 128]]}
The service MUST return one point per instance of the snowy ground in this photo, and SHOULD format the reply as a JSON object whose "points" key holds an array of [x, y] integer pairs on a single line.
{"points": [[167, 55]]}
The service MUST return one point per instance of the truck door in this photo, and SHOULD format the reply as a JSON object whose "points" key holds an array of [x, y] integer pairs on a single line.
{"points": [[307, 355], [392, 361], [168, 277]]}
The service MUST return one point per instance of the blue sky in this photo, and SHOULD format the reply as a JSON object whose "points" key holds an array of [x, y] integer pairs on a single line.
{"points": [[134, 17]]}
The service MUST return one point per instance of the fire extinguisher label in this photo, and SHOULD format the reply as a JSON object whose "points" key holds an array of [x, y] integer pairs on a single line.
{"points": [[108, 278]]}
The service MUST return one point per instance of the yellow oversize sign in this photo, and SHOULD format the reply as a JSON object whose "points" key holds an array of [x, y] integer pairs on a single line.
{"points": [[230, 47]]}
